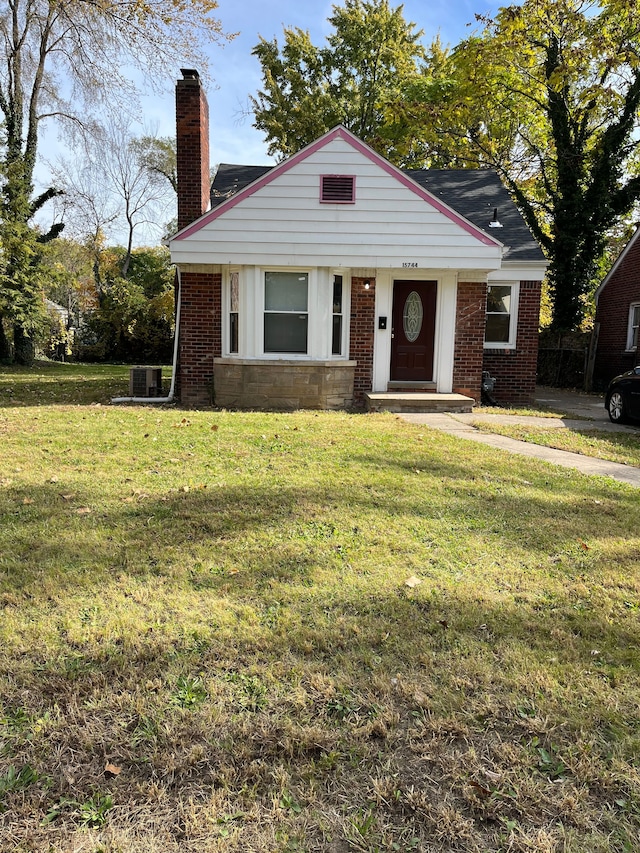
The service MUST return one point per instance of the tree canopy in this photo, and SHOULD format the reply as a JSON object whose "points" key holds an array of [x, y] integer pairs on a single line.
{"points": [[62, 59], [369, 56], [549, 94]]}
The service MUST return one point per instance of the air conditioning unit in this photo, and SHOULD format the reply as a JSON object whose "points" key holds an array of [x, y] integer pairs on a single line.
{"points": [[145, 382]]}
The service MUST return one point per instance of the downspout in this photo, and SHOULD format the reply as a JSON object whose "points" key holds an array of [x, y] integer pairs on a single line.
{"points": [[174, 370]]}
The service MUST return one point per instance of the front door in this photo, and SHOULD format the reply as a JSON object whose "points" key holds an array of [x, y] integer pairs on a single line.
{"points": [[413, 324]]}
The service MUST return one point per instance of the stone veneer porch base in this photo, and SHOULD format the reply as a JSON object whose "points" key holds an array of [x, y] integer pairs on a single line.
{"points": [[283, 384]]}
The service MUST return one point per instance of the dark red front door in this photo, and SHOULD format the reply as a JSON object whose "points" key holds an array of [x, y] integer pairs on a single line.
{"points": [[412, 332]]}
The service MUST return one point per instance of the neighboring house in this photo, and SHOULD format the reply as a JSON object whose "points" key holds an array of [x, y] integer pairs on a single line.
{"points": [[57, 310], [618, 316], [334, 275]]}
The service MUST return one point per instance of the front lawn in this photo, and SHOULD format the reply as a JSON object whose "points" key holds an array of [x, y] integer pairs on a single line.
{"points": [[59, 383], [307, 632]]}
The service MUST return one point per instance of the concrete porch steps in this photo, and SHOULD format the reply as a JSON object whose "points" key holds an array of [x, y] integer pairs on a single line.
{"points": [[417, 401], [421, 387]]}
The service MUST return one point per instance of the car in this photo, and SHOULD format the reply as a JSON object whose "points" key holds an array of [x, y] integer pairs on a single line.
{"points": [[622, 399]]}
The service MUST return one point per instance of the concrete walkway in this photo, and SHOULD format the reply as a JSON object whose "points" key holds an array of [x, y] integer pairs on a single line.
{"points": [[576, 408]]}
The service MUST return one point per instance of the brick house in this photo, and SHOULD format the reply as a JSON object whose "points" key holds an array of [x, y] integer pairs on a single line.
{"points": [[334, 278], [618, 316]]}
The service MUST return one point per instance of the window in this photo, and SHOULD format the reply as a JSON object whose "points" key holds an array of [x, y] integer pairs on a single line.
{"points": [[500, 326], [337, 189], [336, 332], [634, 325], [233, 311], [286, 319]]}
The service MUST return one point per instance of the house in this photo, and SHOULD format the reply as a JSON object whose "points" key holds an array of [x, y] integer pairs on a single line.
{"points": [[618, 316], [333, 278]]}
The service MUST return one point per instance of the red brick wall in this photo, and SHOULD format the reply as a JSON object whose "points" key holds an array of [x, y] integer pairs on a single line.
{"points": [[192, 149], [362, 335], [470, 322], [200, 337], [515, 369], [612, 314]]}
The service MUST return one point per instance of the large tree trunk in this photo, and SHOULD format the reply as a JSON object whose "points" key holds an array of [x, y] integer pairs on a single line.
{"points": [[24, 347], [5, 346]]}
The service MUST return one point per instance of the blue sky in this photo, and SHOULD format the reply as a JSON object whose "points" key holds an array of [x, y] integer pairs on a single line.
{"points": [[237, 73]]}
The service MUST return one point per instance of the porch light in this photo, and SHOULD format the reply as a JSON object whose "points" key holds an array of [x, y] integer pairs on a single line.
{"points": [[367, 284]]}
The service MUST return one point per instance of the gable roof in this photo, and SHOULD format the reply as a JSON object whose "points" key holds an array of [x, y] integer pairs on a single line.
{"points": [[473, 193], [259, 179], [618, 261]]}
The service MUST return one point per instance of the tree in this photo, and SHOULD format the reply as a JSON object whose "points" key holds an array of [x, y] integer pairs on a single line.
{"points": [[158, 155], [369, 57], [83, 43], [549, 94], [135, 317]]}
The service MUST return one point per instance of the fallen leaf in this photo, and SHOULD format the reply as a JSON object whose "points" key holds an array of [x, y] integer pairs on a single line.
{"points": [[68, 497], [215, 428], [27, 500], [480, 789], [53, 479], [443, 622], [584, 546], [112, 770], [83, 510], [412, 581]]}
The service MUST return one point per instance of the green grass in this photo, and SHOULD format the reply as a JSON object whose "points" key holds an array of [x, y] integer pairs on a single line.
{"points": [[56, 383], [623, 447], [208, 641]]}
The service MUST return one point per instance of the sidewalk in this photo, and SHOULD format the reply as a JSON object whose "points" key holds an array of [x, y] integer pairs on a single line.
{"points": [[572, 403]]}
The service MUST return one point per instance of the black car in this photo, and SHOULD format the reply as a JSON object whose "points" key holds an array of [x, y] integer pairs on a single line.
{"points": [[622, 399]]}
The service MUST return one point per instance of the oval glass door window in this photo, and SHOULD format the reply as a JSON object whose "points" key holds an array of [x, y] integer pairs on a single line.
{"points": [[412, 316]]}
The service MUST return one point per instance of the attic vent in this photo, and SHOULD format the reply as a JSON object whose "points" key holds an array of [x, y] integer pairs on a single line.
{"points": [[145, 382], [338, 189]]}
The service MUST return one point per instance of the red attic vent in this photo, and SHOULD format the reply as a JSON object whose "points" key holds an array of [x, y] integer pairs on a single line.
{"points": [[338, 189]]}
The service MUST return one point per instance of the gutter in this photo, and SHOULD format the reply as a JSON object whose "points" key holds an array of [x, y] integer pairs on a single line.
{"points": [[174, 367]]}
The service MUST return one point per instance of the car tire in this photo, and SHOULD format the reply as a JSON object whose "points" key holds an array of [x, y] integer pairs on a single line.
{"points": [[615, 407]]}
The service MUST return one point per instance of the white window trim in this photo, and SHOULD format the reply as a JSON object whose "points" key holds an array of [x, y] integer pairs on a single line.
{"points": [[319, 310], [632, 309], [513, 319], [311, 300], [226, 310]]}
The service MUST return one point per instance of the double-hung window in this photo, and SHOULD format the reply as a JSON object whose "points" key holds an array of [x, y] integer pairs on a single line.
{"points": [[500, 326], [336, 329], [234, 306], [633, 335], [286, 312]]}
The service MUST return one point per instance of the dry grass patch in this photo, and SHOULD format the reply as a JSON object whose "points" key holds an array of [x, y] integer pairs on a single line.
{"points": [[208, 641]]}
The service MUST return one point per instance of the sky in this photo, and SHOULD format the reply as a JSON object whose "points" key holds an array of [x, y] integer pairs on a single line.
{"points": [[236, 72]]}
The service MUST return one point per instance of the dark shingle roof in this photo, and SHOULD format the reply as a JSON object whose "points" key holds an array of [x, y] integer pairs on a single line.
{"points": [[476, 193], [473, 193]]}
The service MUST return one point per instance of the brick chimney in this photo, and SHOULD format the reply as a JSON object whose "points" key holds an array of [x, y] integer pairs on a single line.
{"points": [[192, 147]]}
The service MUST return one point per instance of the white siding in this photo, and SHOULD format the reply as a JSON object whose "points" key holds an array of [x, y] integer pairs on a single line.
{"points": [[284, 222]]}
